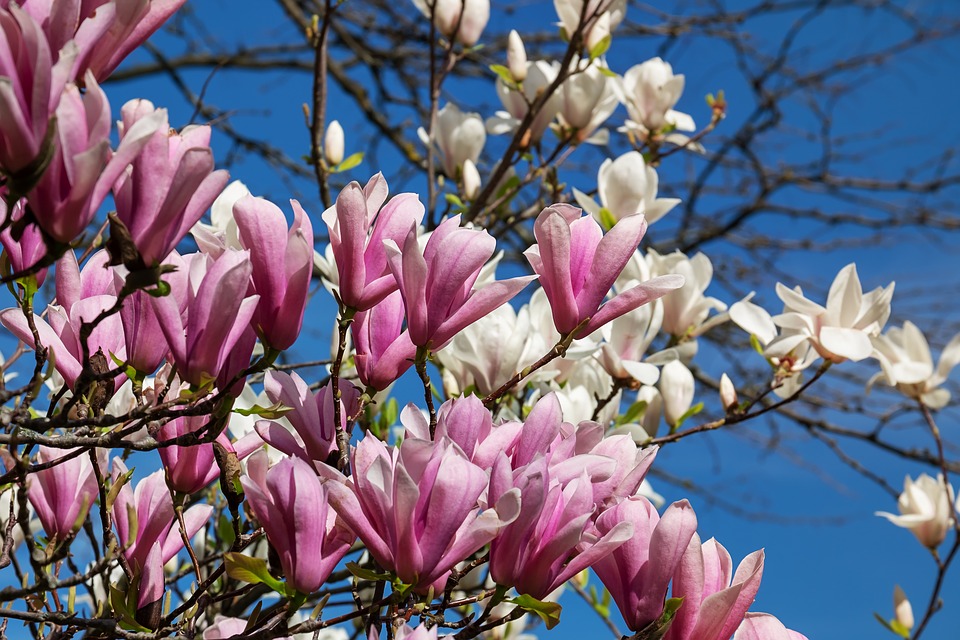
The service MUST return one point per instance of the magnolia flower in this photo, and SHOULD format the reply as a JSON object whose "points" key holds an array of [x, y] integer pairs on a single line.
{"points": [[169, 185], [540, 74], [516, 56], [189, 468], [459, 137], [902, 609], [906, 364], [638, 573], [490, 350], [578, 265], [358, 229], [728, 394], [685, 311], [627, 186], [282, 262], [333, 144], [439, 282], [600, 18], [471, 180], [294, 508], [715, 598], [222, 232], [30, 249], [650, 90], [840, 331], [587, 98], [383, 347], [926, 508], [416, 506], [63, 493], [676, 389], [460, 19]]}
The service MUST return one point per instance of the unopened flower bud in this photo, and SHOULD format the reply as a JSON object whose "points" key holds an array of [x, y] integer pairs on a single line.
{"points": [[471, 180], [516, 56], [902, 611], [677, 389], [333, 144], [728, 394], [599, 31]]}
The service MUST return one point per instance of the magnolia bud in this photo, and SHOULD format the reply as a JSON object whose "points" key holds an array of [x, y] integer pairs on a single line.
{"points": [[599, 31], [516, 57], [676, 387], [728, 394], [471, 180], [333, 144], [902, 611]]}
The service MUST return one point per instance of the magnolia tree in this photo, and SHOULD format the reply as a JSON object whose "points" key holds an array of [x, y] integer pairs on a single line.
{"points": [[168, 472]]}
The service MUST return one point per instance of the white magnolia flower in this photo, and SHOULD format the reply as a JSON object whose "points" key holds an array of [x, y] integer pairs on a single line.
{"points": [[603, 16], [222, 232], [333, 143], [686, 310], [902, 610], [516, 56], [906, 364], [926, 508], [627, 186], [459, 136], [446, 13], [489, 351], [587, 98], [728, 393], [649, 91], [677, 388], [839, 331], [471, 180], [540, 74], [585, 382]]}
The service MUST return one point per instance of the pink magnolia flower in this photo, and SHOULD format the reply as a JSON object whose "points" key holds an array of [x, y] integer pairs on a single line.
{"points": [[83, 296], [83, 169], [30, 89], [62, 494], [383, 347], [638, 573], [169, 185], [715, 598], [189, 468], [282, 266], [311, 416], [468, 423], [763, 626], [358, 228], [548, 543], [30, 248], [578, 265], [293, 507], [217, 319], [437, 283], [156, 539], [415, 506]]}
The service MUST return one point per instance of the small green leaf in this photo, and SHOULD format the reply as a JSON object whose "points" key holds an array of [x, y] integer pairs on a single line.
{"points": [[636, 410], [894, 626], [504, 74], [252, 570], [366, 574], [607, 219], [601, 47], [692, 411], [454, 199], [755, 343], [115, 488], [659, 627], [274, 411], [350, 162], [549, 612], [604, 71]]}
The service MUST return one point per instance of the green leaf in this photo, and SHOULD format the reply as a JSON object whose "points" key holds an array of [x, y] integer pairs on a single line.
{"points": [[504, 74], [225, 531], [659, 627], [601, 47], [894, 626], [636, 410], [692, 411], [607, 219], [274, 411], [549, 612], [115, 488], [350, 162], [604, 71], [252, 570], [366, 574], [755, 343], [454, 199]]}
